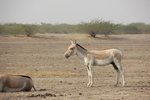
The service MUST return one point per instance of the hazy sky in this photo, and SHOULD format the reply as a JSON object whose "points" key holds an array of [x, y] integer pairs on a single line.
{"points": [[74, 11]]}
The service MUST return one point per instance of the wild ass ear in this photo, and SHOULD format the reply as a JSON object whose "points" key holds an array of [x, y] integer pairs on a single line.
{"points": [[73, 42]]}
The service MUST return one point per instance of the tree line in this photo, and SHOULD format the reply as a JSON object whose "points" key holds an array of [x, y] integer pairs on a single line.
{"points": [[94, 27]]}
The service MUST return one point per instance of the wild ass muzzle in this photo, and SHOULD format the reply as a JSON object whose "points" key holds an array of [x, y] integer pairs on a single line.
{"points": [[94, 57], [16, 83]]}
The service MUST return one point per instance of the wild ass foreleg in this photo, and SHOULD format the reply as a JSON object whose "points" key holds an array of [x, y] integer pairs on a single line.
{"points": [[90, 75]]}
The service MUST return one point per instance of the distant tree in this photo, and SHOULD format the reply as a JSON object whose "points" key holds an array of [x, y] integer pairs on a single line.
{"points": [[29, 29], [12, 28], [97, 26], [130, 29], [2, 29], [107, 27], [144, 28], [147, 29]]}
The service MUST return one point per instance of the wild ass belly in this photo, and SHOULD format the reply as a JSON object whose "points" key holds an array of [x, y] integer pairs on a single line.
{"points": [[103, 62]]}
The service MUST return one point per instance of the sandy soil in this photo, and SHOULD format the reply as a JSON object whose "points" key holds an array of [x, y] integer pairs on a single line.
{"points": [[42, 58]]}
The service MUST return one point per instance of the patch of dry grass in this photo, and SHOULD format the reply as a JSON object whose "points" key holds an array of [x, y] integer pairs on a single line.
{"points": [[40, 73]]}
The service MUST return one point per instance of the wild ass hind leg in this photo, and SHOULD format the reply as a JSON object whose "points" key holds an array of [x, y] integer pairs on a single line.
{"points": [[117, 73], [118, 64], [90, 76]]}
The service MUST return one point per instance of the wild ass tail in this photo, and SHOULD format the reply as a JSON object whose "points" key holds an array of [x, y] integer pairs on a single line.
{"points": [[38, 89]]}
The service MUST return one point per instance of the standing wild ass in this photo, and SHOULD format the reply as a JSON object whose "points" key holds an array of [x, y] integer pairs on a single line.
{"points": [[15, 83], [93, 57]]}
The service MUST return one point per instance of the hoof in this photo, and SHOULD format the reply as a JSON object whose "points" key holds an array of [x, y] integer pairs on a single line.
{"points": [[89, 85], [124, 84]]}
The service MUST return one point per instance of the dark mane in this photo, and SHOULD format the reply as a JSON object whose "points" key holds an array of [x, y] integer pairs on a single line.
{"points": [[81, 47], [24, 76]]}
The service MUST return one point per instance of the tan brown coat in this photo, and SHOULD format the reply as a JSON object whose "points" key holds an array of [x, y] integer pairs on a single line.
{"points": [[94, 57], [15, 83]]}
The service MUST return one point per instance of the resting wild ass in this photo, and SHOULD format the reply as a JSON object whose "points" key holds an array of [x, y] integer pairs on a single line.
{"points": [[101, 58], [16, 83]]}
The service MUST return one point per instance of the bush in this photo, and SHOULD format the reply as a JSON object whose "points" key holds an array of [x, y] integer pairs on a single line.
{"points": [[129, 29], [57, 28], [12, 28], [142, 27], [2, 29], [29, 29], [93, 28], [133, 28], [97, 26]]}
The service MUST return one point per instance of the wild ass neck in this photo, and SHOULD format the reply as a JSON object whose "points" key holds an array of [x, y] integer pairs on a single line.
{"points": [[81, 52]]}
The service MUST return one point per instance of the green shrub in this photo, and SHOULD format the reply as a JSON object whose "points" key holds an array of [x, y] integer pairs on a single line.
{"points": [[97, 26], [29, 29]]}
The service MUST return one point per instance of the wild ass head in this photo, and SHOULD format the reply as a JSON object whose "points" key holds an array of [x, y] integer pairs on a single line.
{"points": [[71, 49]]}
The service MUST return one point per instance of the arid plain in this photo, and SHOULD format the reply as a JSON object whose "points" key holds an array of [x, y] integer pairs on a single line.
{"points": [[42, 58]]}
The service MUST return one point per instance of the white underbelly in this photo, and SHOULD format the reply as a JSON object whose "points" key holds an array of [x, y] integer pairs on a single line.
{"points": [[103, 62]]}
